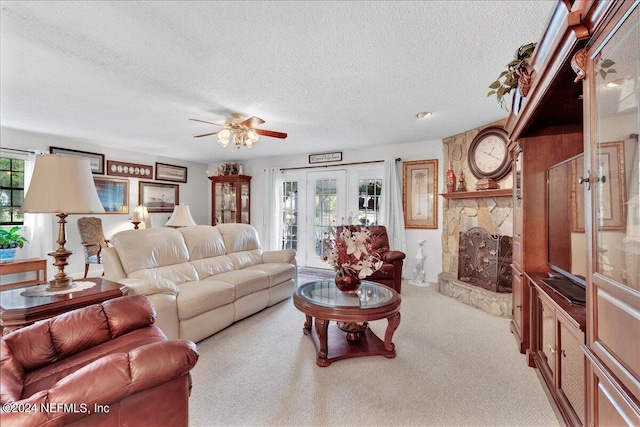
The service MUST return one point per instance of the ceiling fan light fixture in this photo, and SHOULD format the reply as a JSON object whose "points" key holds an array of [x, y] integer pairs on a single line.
{"points": [[223, 137], [252, 136]]}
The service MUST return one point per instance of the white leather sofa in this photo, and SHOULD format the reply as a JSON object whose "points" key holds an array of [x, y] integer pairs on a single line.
{"points": [[200, 279]]}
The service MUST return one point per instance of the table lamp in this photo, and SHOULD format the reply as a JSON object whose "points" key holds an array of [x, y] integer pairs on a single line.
{"points": [[181, 217], [61, 185]]}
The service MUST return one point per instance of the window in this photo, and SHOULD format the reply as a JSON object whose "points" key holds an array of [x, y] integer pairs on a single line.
{"points": [[369, 191], [290, 215], [11, 190]]}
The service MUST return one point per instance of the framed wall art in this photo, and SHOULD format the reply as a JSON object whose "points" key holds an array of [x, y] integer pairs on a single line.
{"points": [[114, 194], [165, 172], [96, 160], [158, 197], [336, 156], [419, 194], [131, 170]]}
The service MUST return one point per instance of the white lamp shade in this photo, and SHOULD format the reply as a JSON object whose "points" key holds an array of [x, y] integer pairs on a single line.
{"points": [[143, 215], [61, 184], [181, 217]]}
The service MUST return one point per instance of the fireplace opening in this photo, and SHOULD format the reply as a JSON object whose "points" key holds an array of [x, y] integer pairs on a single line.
{"points": [[484, 260]]}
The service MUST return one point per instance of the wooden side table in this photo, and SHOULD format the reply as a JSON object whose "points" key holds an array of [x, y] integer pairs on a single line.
{"points": [[23, 266], [18, 311]]}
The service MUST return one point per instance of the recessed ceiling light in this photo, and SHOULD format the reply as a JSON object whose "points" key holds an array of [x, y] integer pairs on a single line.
{"points": [[423, 114]]}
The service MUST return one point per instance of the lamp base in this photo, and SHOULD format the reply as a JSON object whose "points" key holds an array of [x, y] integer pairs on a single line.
{"points": [[59, 284]]}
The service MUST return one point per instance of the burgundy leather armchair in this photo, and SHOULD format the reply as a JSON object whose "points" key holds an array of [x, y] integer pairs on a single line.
{"points": [[102, 365], [391, 272]]}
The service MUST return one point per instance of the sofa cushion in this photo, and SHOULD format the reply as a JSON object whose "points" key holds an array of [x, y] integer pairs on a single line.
{"points": [[245, 281], [210, 266], [203, 241], [203, 295], [244, 259], [178, 273], [239, 237], [46, 377], [278, 272], [150, 248]]}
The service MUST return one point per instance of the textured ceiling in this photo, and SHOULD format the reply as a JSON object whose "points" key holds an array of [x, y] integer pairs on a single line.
{"points": [[333, 75]]}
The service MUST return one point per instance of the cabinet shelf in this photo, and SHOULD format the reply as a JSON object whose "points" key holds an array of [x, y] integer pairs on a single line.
{"points": [[230, 196], [501, 192]]}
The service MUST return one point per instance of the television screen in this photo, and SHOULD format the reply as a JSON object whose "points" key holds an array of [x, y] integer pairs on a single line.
{"points": [[567, 244]]}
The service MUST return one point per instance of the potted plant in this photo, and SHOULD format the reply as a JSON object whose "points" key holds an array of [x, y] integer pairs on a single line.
{"points": [[516, 72], [10, 240]]}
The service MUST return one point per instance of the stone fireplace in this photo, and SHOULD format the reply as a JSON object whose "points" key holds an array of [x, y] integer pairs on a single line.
{"points": [[491, 210]]}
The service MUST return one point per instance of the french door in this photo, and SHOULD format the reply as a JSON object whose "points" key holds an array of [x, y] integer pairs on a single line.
{"points": [[326, 206]]}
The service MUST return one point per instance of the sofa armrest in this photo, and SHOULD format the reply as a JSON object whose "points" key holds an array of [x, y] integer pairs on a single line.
{"points": [[104, 382], [149, 286], [392, 256], [113, 269], [284, 255]]}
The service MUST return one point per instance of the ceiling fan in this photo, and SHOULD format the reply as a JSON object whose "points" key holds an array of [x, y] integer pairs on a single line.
{"points": [[240, 131]]}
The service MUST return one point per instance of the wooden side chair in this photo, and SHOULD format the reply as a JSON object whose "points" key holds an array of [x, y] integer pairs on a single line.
{"points": [[93, 240]]}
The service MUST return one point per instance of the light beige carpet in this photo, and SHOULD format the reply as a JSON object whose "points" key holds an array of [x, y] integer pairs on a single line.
{"points": [[455, 366]]}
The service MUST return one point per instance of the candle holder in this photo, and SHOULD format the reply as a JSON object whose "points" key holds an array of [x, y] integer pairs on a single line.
{"points": [[135, 224]]}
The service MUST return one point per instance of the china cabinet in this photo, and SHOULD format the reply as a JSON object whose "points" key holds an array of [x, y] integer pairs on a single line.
{"points": [[584, 98], [230, 196]]}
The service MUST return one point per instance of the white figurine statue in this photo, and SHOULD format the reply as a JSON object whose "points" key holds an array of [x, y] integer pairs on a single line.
{"points": [[419, 278]]}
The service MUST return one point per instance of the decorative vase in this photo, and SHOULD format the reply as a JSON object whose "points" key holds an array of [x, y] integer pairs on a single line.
{"points": [[7, 255], [349, 282], [450, 180]]}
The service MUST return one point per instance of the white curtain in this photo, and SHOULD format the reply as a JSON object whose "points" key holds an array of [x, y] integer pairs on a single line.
{"points": [[39, 227], [272, 199], [391, 210]]}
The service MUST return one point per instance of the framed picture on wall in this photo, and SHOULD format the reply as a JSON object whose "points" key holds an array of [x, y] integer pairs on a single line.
{"points": [[96, 160], [419, 194], [114, 194], [165, 172], [158, 197]]}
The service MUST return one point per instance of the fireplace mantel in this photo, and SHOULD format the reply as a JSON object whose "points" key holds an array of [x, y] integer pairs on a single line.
{"points": [[502, 192]]}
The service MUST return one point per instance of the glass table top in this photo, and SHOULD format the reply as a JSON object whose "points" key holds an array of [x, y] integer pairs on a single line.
{"points": [[325, 293]]}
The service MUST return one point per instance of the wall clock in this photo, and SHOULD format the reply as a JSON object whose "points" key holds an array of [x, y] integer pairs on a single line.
{"points": [[488, 155]]}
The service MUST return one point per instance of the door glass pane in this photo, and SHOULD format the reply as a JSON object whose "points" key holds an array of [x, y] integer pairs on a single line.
{"points": [[326, 203], [289, 215], [616, 164], [369, 192]]}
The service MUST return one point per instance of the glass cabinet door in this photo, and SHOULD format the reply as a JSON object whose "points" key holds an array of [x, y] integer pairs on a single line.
{"points": [[615, 161]]}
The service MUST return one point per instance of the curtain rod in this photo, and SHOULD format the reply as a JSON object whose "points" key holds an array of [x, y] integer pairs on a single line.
{"points": [[339, 164], [17, 150]]}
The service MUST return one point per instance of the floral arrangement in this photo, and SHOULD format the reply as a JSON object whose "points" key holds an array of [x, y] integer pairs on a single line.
{"points": [[351, 251]]}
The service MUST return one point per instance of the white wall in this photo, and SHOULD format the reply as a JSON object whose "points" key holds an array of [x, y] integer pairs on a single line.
{"points": [[196, 193], [411, 151]]}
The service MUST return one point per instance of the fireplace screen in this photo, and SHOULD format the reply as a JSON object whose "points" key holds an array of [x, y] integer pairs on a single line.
{"points": [[484, 260]]}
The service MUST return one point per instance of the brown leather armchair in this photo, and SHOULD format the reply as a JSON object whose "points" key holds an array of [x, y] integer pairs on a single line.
{"points": [[105, 364], [391, 272]]}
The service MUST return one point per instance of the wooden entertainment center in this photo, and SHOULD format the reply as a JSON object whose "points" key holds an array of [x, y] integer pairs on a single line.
{"points": [[587, 355]]}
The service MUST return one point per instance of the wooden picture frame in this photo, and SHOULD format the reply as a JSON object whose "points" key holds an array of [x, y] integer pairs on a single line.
{"points": [[158, 197], [166, 172], [613, 215], [114, 194], [335, 156], [96, 160], [419, 194], [129, 170]]}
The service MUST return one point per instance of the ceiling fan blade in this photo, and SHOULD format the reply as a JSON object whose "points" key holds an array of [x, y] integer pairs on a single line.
{"points": [[206, 134], [271, 133], [251, 122], [211, 123]]}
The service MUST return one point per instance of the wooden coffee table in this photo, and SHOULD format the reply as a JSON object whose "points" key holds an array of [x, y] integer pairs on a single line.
{"points": [[350, 336], [18, 311]]}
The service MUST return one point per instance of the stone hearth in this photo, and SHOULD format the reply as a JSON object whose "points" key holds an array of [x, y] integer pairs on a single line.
{"points": [[497, 304]]}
